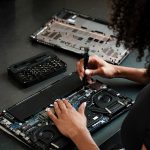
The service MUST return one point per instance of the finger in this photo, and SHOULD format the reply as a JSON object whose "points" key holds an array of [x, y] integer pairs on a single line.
{"points": [[51, 115], [80, 71], [61, 106], [57, 109], [89, 80], [80, 68], [94, 59], [81, 109], [68, 105], [90, 72]]}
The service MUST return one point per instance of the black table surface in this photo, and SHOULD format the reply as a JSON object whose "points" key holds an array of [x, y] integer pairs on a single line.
{"points": [[18, 20]]}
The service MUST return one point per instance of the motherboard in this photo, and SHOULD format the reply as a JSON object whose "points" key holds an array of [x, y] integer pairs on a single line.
{"points": [[28, 121]]}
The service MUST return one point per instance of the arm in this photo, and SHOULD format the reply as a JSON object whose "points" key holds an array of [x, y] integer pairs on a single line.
{"points": [[97, 66], [86, 143], [135, 74], [143, 147]]}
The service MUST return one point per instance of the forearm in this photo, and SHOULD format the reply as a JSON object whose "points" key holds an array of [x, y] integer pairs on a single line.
{"points": [[83, 140], [135, 74], [143, 147]]}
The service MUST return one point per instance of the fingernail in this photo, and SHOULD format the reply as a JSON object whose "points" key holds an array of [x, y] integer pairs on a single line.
{"points": [[87, 71], [84, 104], [47, 109], [56, 100], [55, 103], [51, 105], [80, 78]]}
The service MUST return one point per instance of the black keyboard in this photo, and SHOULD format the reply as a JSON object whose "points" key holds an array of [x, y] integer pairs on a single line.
{"points": [[36, 69]]}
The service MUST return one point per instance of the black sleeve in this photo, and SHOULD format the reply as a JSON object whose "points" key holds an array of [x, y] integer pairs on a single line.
{"points": [[135, 129]]}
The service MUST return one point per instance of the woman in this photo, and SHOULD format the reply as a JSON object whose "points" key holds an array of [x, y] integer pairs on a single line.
{"points": [[131, 23]]}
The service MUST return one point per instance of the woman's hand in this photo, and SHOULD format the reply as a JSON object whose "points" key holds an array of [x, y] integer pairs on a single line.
{"points": [[96, 66], [68, 121], [72, 124]]}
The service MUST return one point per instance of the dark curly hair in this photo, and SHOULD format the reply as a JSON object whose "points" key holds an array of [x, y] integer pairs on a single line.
{"points": [[131, 23]]}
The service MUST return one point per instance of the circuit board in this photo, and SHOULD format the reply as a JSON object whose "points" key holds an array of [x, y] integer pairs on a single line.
{"points": [[33, 126], [71, 31]]}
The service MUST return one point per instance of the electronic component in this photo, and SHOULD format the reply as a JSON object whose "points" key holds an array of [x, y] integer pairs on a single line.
{"points": [[36, 102], [77, 30], [35, 129], [36, 69]]}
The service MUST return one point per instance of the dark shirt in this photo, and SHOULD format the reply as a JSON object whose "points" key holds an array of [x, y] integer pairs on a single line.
{"points": [[136, 127]]}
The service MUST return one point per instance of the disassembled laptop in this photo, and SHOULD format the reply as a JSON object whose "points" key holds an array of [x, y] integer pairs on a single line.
{"points": [[70, 31]]}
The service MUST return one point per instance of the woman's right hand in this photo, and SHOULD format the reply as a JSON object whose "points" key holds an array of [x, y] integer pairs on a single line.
{"points": [[96, 66]]}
